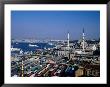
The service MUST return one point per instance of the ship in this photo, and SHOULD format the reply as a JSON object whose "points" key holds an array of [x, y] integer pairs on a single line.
{"points": [[50, 43], [32, 45], [15, 49]]}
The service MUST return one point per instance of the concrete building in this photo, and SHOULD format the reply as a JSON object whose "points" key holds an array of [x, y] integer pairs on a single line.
{"points": [[79, 72]]}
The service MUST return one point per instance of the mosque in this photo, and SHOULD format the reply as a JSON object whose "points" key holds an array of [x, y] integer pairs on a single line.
{"points": [[70, 51]]}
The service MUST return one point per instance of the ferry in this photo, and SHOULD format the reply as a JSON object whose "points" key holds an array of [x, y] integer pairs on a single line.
{"points": [[32, 45], [16, 43], [15, 49], [50, 43]]}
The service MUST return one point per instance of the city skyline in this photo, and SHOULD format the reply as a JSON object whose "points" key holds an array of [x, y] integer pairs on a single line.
{"points": [[55, 24]]}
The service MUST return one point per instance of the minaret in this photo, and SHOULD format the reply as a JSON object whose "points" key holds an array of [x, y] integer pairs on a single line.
{"points": [[68, 46], [68, 40], [22, 69], [83, 40]]}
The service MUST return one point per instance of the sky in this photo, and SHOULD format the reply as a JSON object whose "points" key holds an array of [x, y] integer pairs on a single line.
{"points": [[55, 24]]}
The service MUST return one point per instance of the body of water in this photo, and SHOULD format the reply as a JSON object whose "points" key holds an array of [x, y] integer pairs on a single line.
{"points": [[31, 46]]}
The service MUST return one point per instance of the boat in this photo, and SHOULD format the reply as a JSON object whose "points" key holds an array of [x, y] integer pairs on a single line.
{"points": [[50, 43], [15, 49], [45, 48], [16, 43], [32, 45]]}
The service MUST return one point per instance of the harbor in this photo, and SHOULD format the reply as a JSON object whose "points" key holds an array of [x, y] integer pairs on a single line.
{"points": [[50, 58]]}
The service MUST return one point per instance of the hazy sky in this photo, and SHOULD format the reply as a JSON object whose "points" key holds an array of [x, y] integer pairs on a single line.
{"points": [[55, 24]]}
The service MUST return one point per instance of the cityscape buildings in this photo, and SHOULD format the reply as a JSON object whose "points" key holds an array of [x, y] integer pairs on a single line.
{"points": [[61, 58]]}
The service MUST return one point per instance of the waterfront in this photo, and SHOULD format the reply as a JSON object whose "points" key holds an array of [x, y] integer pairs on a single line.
{"points": [[53, 58]]}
